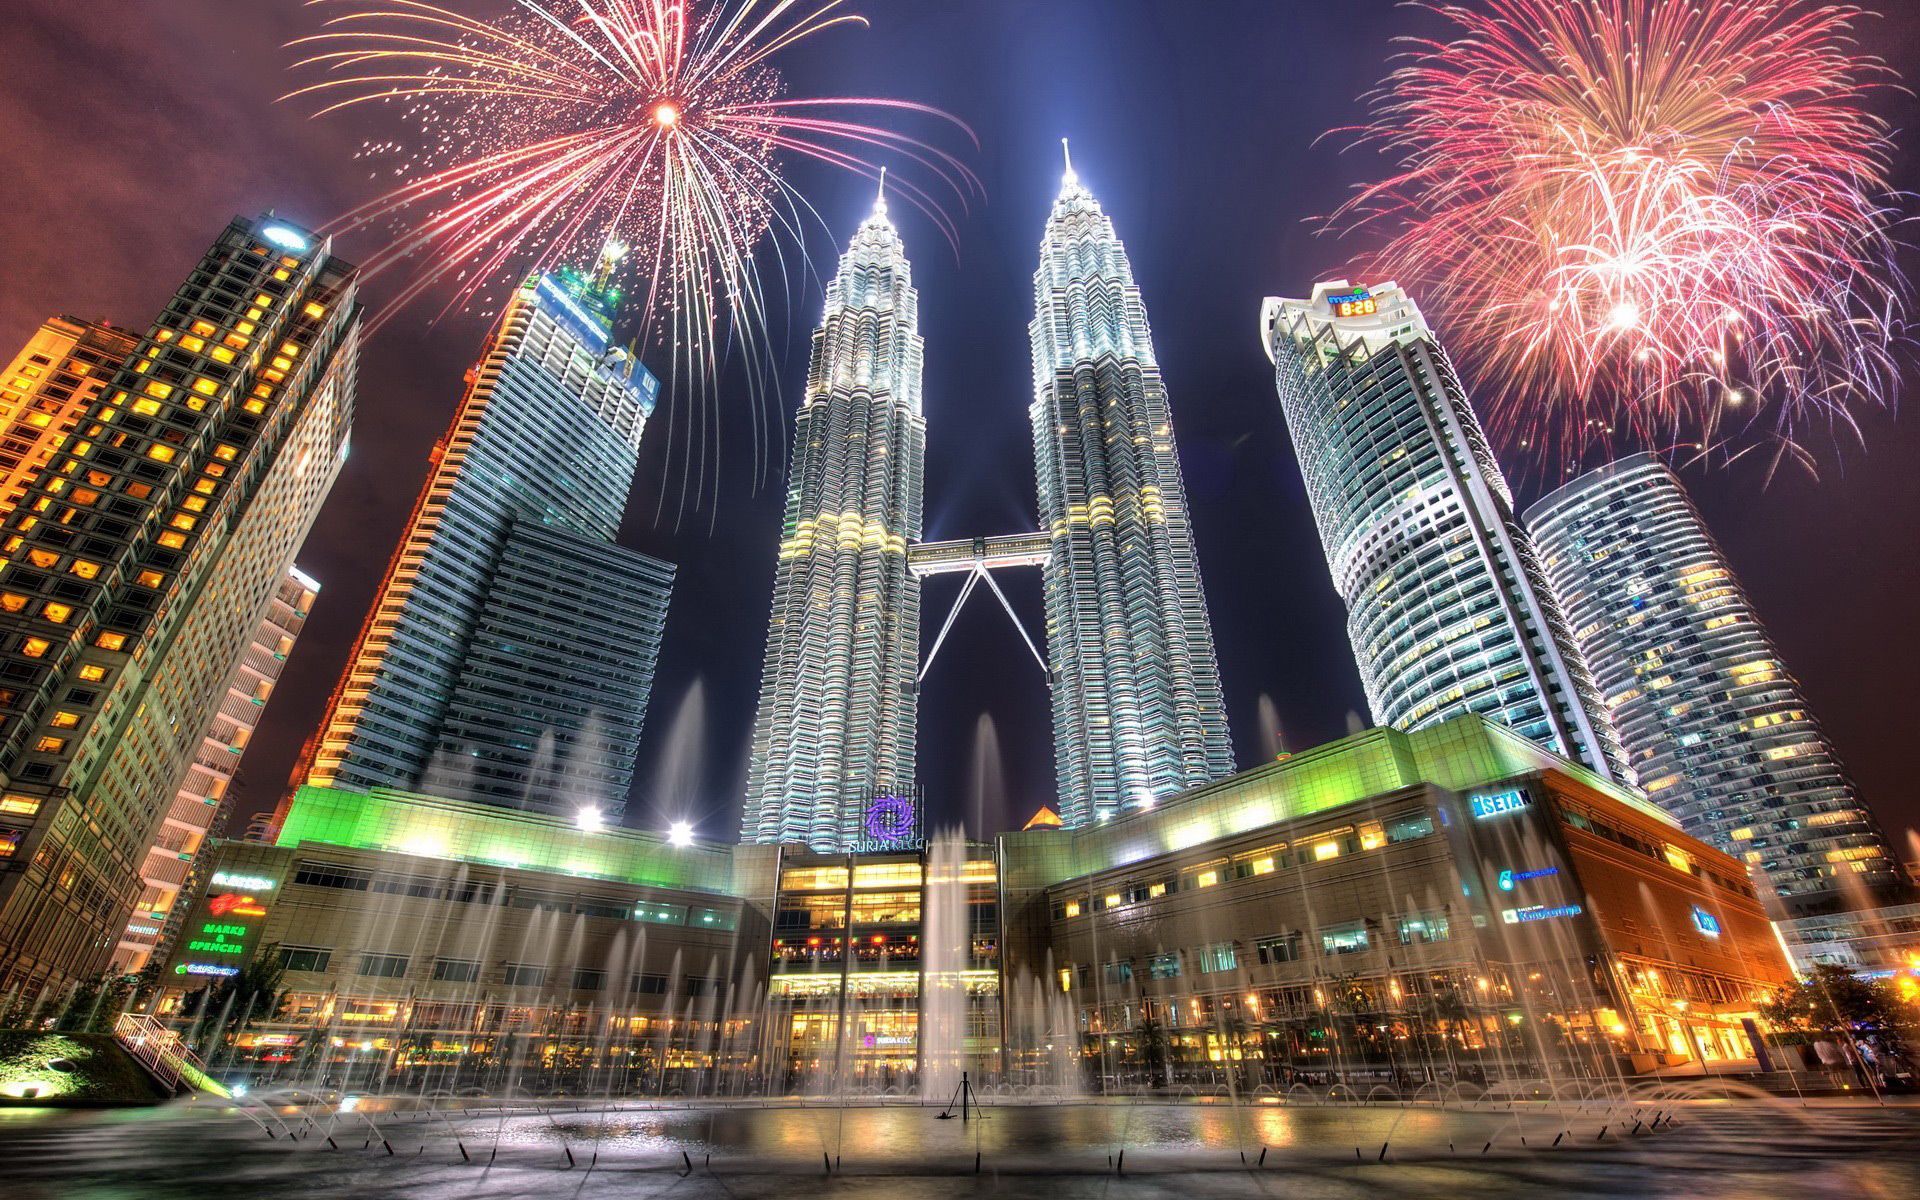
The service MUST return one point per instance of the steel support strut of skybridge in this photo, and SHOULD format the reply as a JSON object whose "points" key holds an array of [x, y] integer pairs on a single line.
{"points": [[978, 558]]}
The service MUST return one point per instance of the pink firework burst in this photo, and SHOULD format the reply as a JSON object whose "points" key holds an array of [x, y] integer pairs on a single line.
{"points": [[1650, 222]]}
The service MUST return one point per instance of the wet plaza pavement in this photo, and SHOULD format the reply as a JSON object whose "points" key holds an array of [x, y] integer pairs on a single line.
{"points": [[1734, 1148]]}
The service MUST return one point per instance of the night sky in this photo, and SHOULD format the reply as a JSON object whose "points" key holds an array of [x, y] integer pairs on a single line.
{"points": [[135, 128]]}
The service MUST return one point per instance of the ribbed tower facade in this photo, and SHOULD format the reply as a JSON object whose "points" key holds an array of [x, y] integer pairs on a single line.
{"points": [[837, 712], [1447, 609], [1719, 733], [1137, 709], [510, 649]]}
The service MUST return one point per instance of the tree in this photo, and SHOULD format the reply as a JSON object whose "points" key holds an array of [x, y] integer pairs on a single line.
{"points": [[1835, 1004], [1153, 1046], [238, 1000]]}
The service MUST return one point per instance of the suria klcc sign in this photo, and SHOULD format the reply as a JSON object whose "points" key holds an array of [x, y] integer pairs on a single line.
{"points": [[890, 823]]}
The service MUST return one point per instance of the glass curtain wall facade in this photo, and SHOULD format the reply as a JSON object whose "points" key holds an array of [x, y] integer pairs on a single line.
{"points": [[1137, 708], [1447, 609], [838, 705], [137, 567], [1719, 733], [545, 442], [570, 627], [203, 800]]}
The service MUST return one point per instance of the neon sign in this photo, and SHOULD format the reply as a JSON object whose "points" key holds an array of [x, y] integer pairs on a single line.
{"points": [[1357, 303], [890, 823], [242, 883], [1540, 912], [1509, 878], [234, 904], [1706, 922], [1499, 804], [204, 969]]}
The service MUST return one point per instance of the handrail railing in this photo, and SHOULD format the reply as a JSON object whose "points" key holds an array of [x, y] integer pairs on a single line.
{"points": [[160, 1050]]}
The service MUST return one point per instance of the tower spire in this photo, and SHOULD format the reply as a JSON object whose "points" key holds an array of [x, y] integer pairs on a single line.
{"points": [[880, 197], [1066, 152]]}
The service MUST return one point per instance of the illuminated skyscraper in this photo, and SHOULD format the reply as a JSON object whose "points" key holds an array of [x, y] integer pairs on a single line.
{"points": [[509, 652], [837, 702], [203, 799], [1717, 730], [137, 565], [1447, 609], [1137, 710], [46, 390]]}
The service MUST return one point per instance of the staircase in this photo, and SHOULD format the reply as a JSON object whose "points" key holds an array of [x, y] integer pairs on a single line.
{"points": [[159, 1049]]}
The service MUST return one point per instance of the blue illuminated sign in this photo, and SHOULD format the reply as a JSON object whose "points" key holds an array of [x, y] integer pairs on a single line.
{"points": [[204, 969], [286, 239], [1496, 804], [1540, 912], [1509, 878], [1706, 922]]}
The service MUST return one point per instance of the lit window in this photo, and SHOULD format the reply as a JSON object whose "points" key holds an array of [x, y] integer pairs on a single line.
{"points": [[206, 387], [152, 579], [65, 720], [12, 601], [84, 569], [146, 407], [314, 311], [1322, 851], [181, 521], [160, 453], [204, 328], [159, 390], [49, 744], [23, 806], [93, 672], [56, 612], [41, 558], [36, 647], [1206, 879], [172, 540], [224, 451], [110, 640]]}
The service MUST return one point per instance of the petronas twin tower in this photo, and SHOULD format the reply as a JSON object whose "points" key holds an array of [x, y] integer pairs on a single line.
{"points": [[1137, 708]]}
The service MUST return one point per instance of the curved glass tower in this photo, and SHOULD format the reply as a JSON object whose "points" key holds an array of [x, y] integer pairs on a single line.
{"points": [[1446, 607], [1137, 710], [1718, 731], [837, 699]]}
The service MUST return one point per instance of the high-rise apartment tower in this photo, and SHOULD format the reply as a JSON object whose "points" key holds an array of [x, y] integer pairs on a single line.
{"points": [[205, 796], [1717, 730], [137, 566], [1447, 609]]}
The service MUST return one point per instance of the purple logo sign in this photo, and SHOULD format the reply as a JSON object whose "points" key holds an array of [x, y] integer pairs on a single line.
{"points": [[889, 819]]}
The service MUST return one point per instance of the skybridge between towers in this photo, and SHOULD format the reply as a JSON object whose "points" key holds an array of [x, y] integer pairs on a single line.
{"points": [[977, 558]]}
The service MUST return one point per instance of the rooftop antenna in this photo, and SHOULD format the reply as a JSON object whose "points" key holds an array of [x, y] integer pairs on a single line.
{"points": [[610, 256], [880, 198], [1066, 152]]}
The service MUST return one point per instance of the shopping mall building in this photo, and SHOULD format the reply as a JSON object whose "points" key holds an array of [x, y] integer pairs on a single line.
{"points": [[1453, 903]]}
